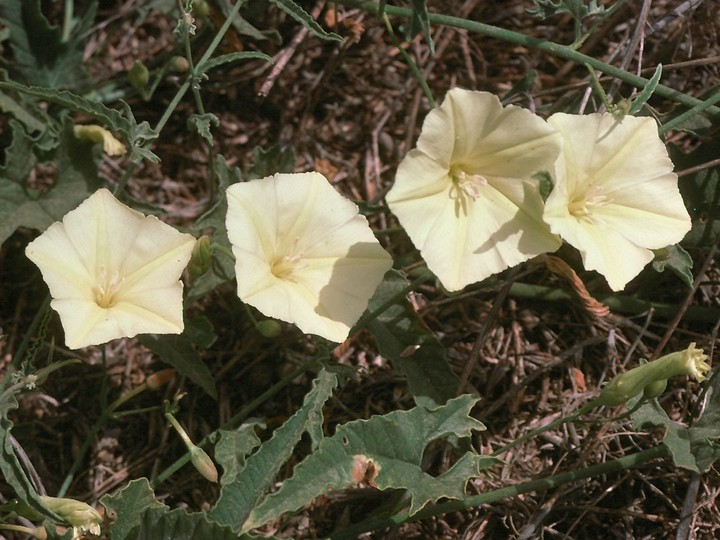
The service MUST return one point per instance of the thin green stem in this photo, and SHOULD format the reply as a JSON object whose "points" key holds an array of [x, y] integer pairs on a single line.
{"points": [[67, 20], [235, 420], [556, 49], [410, 62], [543, 484], [703, 106]]}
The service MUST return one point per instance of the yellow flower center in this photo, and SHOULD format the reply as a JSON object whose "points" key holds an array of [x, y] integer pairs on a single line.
{"points": [[105, 291], [465, 186], [582, 205], [283, 267]]}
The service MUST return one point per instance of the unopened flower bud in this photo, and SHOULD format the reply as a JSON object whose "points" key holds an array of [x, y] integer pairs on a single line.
{"points": [[179, 64], [201, 258], [80, 515], [269, 328], [202, 462], [201, 8], [139, 75], [157, 380], [97, 134], [654, 389], [690, 361]]}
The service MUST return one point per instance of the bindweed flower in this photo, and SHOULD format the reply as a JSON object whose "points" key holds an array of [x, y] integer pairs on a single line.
{"points": [[303, 253], [465, 195], [648, 378], [616, 196], [112, 272], [83, 517], [97, 134]]}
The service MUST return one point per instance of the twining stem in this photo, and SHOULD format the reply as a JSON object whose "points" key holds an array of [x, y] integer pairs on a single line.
{"points": [[550, 482], [561, 51], [193, 77]]}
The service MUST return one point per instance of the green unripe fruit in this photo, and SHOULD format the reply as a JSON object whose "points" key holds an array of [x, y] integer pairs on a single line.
{"points": [[139, 75]]}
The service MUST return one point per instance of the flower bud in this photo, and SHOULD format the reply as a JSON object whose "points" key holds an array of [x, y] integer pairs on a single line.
{"points": [[690, 361], [202, 462], [201, 258], [179, 64], [80, 515], [269, 328], [139, 75], [97, 134], [157, 380]]}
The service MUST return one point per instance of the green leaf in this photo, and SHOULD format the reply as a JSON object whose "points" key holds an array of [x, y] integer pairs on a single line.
{"points": [[676, 437], [233, 448], [412, 348], [701, 193], [642, 98], [385, 451], [705, 432], [128, 506], [76, 178], [240, 497], [201, 123], [231, 57], [137, 135], [32, 118], [677, 260], [178, 525], [178, 351], [201, 332], [212, 222], [41, 56], [12, 470], [268, 161], [304, 18]]}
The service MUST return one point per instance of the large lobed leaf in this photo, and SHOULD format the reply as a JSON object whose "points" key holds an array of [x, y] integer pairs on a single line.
{"points": [[42, 56], [385, 451], [240, 496]]}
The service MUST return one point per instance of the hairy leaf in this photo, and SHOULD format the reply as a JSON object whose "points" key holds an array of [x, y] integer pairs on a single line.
{"points": [[233, 448], [240, 497], [386, 452], [678, 261], [304, 18]]}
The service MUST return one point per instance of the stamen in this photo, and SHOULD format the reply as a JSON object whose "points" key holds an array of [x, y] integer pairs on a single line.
{"points": [[105, 291], [583, 205], [285, 266]]}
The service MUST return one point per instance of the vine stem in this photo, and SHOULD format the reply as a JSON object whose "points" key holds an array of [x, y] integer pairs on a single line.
{"points": [[556, 49]]}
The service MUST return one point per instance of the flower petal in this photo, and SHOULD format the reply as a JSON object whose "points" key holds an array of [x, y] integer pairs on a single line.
{"points": [[465, 196], [615, 195], [112, 272], [307, 257]]}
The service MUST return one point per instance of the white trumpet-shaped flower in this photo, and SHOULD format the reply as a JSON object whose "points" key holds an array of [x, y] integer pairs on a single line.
{"points": [[112, 272], [303, 253], [616, 196], [466, 196]]}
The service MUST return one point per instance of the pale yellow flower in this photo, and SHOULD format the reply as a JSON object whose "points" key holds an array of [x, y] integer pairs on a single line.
{"points": [[466, 196], [83, 517], [616, 196], [98, 134], [112, 272], [303, 253]]}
